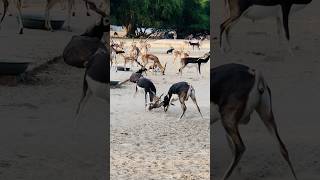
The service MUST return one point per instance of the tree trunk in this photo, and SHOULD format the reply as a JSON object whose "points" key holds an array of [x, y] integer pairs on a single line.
{"points": [[130, 30]]}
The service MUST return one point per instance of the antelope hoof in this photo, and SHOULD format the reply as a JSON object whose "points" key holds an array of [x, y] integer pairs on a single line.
{"points": [[21, 31]]}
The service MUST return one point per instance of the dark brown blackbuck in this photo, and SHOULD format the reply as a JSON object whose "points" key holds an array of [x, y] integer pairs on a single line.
{"points": [[148, 87], [182, 91], [236, 92], [194, 60], [96, 79], [81, 47], [259, 9]]}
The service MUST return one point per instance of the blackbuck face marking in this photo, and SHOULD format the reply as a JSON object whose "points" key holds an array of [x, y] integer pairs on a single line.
{"points": [[236, 92]]}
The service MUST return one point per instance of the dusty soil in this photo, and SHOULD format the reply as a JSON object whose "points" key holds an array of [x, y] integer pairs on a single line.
{"points": [[156, 145]]}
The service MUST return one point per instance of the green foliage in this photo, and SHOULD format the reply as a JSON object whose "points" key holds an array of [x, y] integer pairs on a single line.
{"points": [[185, 16]]}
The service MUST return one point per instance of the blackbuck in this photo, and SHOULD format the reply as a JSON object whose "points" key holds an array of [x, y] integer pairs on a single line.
{"points": [[237, 91], [96, 78], [137, 75], [149, 89], [170, 50], [195, 43], [182, 91], [82, 47], [194, 60], [134, 77], [259, 9]]}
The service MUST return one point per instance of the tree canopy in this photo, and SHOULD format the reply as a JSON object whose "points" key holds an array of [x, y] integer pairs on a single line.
{"points": [[184, 16]]}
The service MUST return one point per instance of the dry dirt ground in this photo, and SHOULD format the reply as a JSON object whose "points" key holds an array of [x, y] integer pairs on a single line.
{"points": [[37, 115], [295, 84], [156, 145]]}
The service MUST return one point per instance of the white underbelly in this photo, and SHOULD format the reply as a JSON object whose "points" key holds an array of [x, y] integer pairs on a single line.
{"points": [[99, 90], [257, 12]]}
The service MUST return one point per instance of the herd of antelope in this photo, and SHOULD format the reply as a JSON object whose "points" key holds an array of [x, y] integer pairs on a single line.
{"points": [[139, 53], [236, 90], [141, 49]]}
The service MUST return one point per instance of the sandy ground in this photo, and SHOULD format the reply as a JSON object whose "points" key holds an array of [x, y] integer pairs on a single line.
{"points": [[294, 81], [156, 145], [37, 115]]}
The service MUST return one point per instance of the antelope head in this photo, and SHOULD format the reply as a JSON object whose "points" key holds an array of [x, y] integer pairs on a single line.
{"points": [[155, 103]]}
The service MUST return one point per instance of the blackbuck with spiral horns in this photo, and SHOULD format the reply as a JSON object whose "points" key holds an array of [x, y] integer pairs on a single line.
{"points": [[179, 91], [236, 92]]}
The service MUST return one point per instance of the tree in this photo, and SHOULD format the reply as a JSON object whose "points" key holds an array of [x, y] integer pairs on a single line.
{"points": [[181, 15]]}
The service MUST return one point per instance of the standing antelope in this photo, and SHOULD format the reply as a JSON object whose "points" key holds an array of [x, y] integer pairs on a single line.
{"points": [[194, 43], [183, 90], [259, 9], [194, 60], [237, 91]]}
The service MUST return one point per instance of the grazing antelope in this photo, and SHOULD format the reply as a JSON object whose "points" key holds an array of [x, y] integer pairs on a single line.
{"points": [[194, 60], [156, 63], [237, 91], [183, 90], [144, 48], [259, 9], [80, 48]]}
